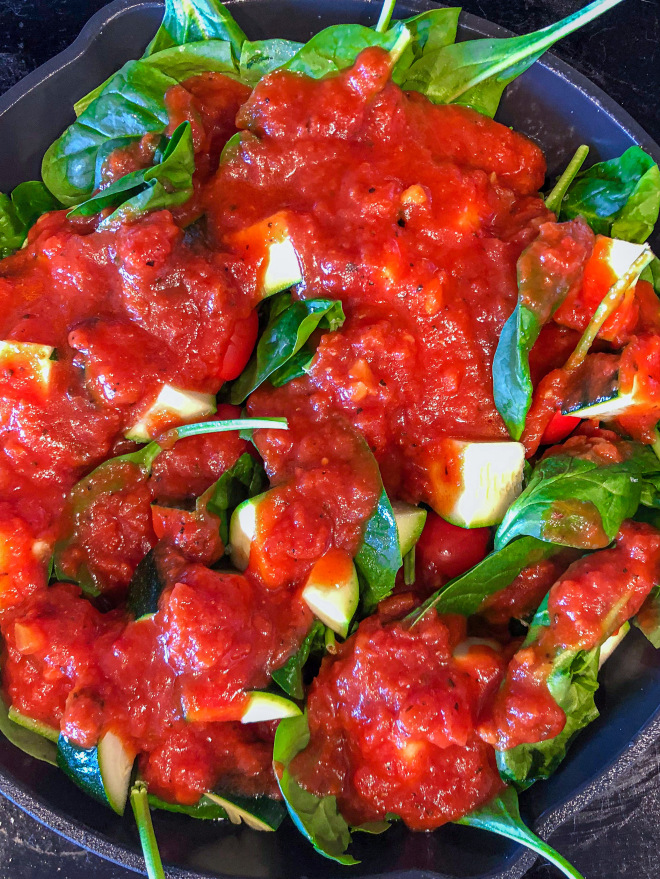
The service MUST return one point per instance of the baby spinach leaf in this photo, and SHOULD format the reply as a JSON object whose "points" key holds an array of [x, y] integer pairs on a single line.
{"points": [[429, 31], [379, 556], [290, 325], [502, 816], [543, 284], [130, 105], [243, 480], [191, 21], [476, 72], [619, 197], [337, 47], [465, 594], [164, 185], [556, 195], [289, 678], [20, 211], [315, 817], [572, 682], [575, 502], [26, 740], [204, 809], [263, 56], [651, 274]]}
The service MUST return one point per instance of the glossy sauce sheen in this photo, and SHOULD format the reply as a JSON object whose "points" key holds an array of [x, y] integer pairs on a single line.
{"points": [[414, 216]]}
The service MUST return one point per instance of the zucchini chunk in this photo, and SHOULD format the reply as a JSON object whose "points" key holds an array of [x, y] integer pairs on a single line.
{"points": [[332, 590], [243, 530], [27, 361], [259, 813], [409, 523], [103, 772], [612, 643], [171, 406], [36, 726], [474, 483], [145, 587], [270, 241], [262, 705]]}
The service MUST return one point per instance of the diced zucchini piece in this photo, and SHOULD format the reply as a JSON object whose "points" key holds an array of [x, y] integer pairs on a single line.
{"points": [[145, 587], [28, 361], [409, 523], [607, 407], [172, 406], [621, 255], [36, 726], [103, 772], [332, 590], [474, 483], [243, 531], [262, 706], [612, 643], [270, 240], [259, 813]]}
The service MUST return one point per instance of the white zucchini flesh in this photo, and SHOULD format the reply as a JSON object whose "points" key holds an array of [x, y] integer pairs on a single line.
{"points": [[173, 403], [612, 643], [264, 706], [332, 591], [115, 765], [474, 483], [409, 523], [282, 267], [243, 531], [35, 362]]}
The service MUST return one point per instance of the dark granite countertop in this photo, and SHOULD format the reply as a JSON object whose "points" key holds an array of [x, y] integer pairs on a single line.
{"points": [[616, 834]]}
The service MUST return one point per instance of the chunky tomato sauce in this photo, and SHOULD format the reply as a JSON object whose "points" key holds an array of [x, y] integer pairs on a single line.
{"points": [[415, 217]]}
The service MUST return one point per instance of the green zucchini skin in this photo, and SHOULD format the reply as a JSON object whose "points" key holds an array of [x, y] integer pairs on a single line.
{"points": [[146, 586], [85, 767]]}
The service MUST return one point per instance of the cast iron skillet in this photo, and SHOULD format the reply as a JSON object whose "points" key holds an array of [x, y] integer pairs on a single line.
{"points": [[560, 109]]}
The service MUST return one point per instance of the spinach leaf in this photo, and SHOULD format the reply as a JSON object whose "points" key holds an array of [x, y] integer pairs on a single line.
{"points": [[476, 72], [243, 480], [315, 817], [20, 211], [379, 557], [559, 190], [191, 21], [263, 56], [140, 804], [289, 678], [543, 283], [129, 105], [651, 274], [204, 809], [429, 31], [619, 197], [290, 325], [337, 47], [465, 594], [26, 740], [575, 502], [572, 682], [164, 185], [502, 816]]}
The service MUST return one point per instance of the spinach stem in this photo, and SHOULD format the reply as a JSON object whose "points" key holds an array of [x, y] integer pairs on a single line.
{"points": [[385, 16], [556, 196], [140, 806], [222, 426], [608, 305], [544, 39]]}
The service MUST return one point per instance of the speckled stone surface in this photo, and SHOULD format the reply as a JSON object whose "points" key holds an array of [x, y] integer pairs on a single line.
{"points": [[615, 834]]}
